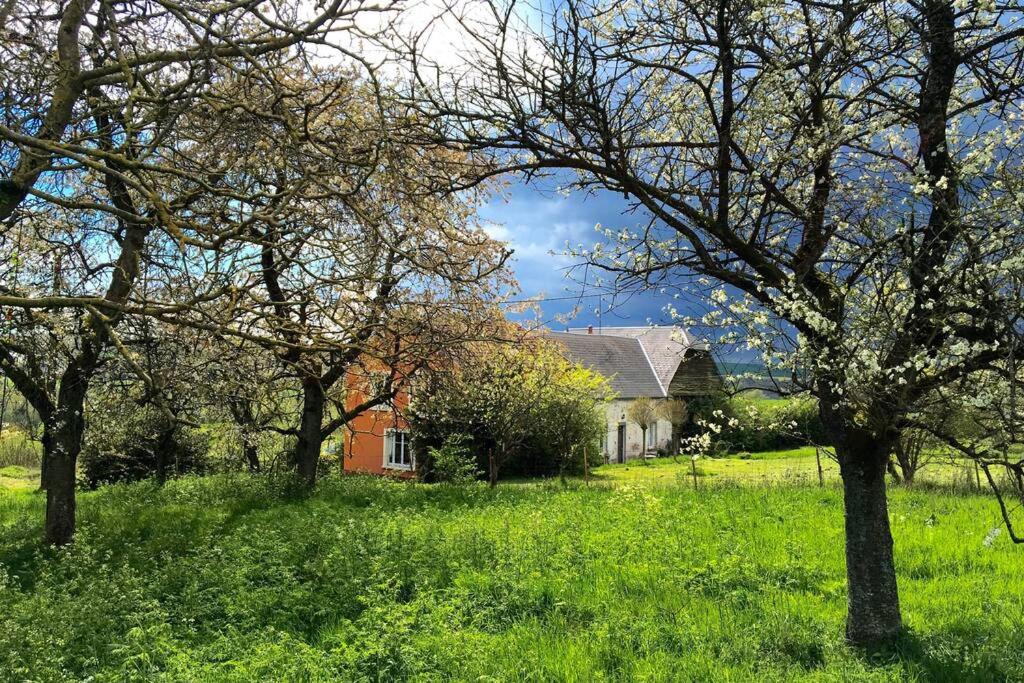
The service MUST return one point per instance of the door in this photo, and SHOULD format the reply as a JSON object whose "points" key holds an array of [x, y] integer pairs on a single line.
{"points": [[621, 443]]}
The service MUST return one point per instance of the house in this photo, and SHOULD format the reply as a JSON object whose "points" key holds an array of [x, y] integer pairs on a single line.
{"points": [[376, 441], [656, 362]]}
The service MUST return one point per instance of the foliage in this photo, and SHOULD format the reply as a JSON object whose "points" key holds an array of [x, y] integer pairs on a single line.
{"points": [[228, 578], [123, 444], [524, 404], [731, 425], [15, 411], [453, 462]]}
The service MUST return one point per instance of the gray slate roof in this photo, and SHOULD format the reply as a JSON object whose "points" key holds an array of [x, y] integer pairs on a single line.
{"points": [[639, 361], [620, 359], [665, 346]]}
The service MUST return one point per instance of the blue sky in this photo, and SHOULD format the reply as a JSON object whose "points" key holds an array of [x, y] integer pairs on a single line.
{"points": [[537, 222]]}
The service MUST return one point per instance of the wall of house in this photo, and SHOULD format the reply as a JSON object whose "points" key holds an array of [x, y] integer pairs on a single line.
{"points": [[615, 415], [697, 375], [364, 438]]}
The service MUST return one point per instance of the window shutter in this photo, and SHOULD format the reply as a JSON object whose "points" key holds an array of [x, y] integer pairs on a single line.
{"points": [[389, 446]]}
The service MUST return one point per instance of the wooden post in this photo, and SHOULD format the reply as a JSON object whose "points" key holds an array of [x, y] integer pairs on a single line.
{"points": [[693, 469], [821, 473], [586, 467], [977, 475]]}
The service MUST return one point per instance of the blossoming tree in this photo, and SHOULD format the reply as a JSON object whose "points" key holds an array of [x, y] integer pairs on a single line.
{"points": [[842, 179]]}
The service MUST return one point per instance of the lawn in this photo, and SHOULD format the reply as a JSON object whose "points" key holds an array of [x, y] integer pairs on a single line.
{"points": [[16, 477], [793, 466], [234, 579], [797, 465]]}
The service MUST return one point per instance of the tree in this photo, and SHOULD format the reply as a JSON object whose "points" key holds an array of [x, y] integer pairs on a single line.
{"points": [[860, 231], [643, 411], [104, 172], [374, 268], [522, 405], [987, 427], [676, 412]]}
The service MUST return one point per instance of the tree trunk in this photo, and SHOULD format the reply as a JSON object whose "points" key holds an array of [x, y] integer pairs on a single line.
{"points": [[492, 468], [162, 446], [60, 500], [62, 442], [873, 604], [307, 450], [252, 457], [894, 471]]}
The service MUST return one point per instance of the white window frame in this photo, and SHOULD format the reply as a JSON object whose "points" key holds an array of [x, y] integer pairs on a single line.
{"points": [[389, 447]]}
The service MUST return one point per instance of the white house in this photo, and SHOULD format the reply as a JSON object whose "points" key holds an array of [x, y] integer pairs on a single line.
{"points": [[656, 362]]}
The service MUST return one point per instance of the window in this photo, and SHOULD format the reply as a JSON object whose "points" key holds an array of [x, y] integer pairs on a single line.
{"points": [[397, 453], [652, 436]]}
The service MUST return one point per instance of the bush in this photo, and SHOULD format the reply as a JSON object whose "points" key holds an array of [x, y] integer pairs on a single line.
{"points": [[452, 463], [139, 444], [529, 407], [761, 424]]}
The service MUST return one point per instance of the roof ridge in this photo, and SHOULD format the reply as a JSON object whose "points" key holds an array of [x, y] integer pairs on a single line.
{"points": [[653, 370]]}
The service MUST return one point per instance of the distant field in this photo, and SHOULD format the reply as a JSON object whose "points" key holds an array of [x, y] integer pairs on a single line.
{"points": [[636, 579]]}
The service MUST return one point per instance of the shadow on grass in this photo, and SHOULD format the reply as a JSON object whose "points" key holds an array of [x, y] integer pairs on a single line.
{"points": [[945, 656], [144, 519]]}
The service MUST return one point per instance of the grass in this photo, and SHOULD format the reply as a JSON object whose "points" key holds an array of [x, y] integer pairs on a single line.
{"points": [[234, 579], [18, 449], [16, 477], [797, 466], [772, 467]]}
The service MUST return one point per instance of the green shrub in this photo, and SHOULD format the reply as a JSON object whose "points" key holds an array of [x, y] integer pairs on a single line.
{"points": [[453, 462], [761, 424], [530, 408], [139, 444]]}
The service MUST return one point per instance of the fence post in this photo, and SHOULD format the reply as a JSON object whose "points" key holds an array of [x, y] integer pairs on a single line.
{"points": [[821, 473]]}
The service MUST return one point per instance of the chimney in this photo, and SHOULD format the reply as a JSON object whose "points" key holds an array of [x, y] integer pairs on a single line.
{"points": [[590, 329]]}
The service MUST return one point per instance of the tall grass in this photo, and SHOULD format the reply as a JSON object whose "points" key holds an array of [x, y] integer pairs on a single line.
{"points": [[234, 579], [18, 449]]}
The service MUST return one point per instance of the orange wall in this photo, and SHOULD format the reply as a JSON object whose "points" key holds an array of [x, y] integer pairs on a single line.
{"points": [[364, 438]]}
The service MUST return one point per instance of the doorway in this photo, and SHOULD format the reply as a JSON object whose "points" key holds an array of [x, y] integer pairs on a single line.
{"points": [[621, 443]]}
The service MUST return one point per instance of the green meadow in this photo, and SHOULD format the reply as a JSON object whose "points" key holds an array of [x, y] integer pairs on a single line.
{"points": [[232, 578]]}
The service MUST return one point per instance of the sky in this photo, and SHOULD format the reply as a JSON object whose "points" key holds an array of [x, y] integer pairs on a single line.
{"points": [[538, 223], [535, 220]]}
